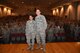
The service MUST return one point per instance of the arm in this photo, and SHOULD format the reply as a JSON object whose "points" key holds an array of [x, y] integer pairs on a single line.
{"points": [[44, 22], [26, 29]]}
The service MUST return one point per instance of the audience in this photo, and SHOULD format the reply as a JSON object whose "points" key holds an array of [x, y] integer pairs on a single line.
{"points": [[16, 24]]}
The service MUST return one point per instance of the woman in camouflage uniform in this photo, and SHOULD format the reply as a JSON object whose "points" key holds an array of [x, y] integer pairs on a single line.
{"points": [[30, 32]]}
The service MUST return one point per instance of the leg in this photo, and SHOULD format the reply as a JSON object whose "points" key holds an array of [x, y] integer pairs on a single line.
{"points": [[43, 36], [38, 40], [33, 40], [28, 41]]}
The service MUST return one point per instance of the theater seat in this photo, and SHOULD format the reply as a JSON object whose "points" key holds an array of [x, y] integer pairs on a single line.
{"points": [[61, 37], [23, 39], [17, 38], [79, 37], [54, 37]]}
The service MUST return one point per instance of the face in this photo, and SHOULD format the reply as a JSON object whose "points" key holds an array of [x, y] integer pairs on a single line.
{"points": [[30, 17], [38, 12]]}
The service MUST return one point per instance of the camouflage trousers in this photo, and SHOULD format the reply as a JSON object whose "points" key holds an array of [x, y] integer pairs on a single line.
{"points": [[30, 38], [40, 37]]}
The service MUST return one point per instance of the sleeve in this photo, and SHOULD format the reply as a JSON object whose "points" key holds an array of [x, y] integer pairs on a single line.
{"points": [[26, 29], [44, 22], [34, 25]]}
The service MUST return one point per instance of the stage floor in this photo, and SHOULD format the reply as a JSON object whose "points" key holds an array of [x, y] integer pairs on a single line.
{"points": [[57, 47]]}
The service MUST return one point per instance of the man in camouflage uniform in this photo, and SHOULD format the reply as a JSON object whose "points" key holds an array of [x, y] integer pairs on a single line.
{"points": [[30, 32], [41, 26], [13, 28], [6, 34]]}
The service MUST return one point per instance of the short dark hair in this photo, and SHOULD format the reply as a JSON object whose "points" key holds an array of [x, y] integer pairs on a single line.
{"points": [[37, 9], [30, 15]]}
